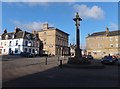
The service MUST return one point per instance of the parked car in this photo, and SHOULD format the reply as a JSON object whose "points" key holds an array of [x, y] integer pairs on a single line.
{"points": [[115, 58], [108, 60], [89, 57], [84, 56], [27, 54]]}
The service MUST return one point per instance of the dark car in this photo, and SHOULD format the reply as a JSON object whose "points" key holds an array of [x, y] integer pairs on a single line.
{"points": [[115, 58], [108, 60], [89, 57], [27, 54]]}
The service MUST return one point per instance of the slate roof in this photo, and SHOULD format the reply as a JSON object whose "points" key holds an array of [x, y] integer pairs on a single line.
{"points": [[20, 34], [53, 28], [111, 33], [9, 35]]}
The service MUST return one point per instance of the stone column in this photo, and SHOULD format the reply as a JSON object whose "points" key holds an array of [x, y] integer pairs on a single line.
{"points": [[78, 54]]}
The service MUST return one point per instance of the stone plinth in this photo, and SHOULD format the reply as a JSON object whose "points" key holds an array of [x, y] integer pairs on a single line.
{"points": [[78, 61], [78, 53]]}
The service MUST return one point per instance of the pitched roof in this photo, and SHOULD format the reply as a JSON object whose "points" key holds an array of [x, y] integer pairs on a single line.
{"points": [[20, 34], [53, 28], [9, 35], [111, 33]]}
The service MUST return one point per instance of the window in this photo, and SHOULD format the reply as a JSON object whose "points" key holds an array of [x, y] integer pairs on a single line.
{"points": [[117, 38], [16, 50], [26, 42], [44, 42], [33, 44], [111, 45], [33, 50], [95, 53], [36, 44], [111, 39], [89, 53], [44, 33], [30, 43], [104, 52], [44, 39], [10, 43], [4, 50], [25, 49], [36, 51], [6, 37], [116, 45], [5, 44], [1, 43], [16, 42], [13, 36], [30, 50]]}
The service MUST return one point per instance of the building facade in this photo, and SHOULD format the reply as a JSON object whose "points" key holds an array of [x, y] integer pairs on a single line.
{"points": [[55, 41], [19, 41], [103, 43]]}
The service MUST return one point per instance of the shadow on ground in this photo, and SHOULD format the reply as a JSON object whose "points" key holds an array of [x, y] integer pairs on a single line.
{"points": [[66, 77]]}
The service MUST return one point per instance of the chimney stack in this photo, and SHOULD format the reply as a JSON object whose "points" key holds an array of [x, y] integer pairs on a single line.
{"points": [[17, 30], [88, 34], [34, 32], [45, 26], [107, 31], [5, 31]]}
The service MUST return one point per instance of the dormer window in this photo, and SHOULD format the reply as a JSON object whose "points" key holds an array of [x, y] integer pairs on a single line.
{"points": [[29, 36], [30, 43], [13, 36], [6, 37]]}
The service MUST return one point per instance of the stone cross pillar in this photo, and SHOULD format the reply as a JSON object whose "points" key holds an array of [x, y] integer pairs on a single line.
{"points": [[78, 54]]}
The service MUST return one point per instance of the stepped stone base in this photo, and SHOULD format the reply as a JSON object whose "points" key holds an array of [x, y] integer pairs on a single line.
{"points": [[78, 61]]}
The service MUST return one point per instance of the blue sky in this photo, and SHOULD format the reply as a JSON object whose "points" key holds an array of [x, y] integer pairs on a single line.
{"points": [[96, 16]]}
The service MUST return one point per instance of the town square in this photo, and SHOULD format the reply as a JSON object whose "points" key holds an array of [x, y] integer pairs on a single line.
{"points": [[60, 44]]}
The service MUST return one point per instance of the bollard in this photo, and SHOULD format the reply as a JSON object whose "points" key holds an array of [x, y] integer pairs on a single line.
{"points": [[46, 61], [60, 64]]}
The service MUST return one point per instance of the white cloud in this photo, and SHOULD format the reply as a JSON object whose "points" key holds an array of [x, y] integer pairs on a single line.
{"points": [[86, 12], [113, 26], [30, 26]]}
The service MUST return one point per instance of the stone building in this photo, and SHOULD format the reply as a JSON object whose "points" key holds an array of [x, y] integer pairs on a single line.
{"points": [[55, 41], [103, 43]]}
